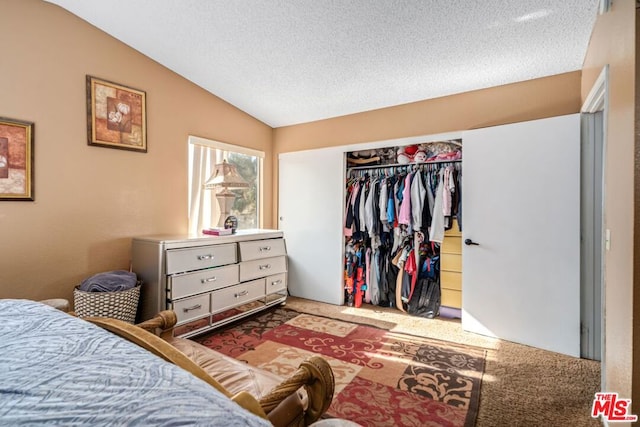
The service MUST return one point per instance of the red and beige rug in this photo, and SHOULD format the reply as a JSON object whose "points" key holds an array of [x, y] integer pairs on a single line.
{"points": [[383, 378]]}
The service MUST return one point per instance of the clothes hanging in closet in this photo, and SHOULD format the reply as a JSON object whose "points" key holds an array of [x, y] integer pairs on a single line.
{"points": [[394, 222]]}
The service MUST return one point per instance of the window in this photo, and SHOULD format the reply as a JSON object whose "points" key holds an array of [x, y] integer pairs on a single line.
{"points": [[207, 206]]}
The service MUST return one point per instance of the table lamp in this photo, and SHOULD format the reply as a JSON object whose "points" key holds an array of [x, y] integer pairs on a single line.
{"points": [[225, 177]]}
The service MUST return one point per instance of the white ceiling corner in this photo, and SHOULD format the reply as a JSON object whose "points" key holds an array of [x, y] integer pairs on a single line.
{"points": [[293, 61]]}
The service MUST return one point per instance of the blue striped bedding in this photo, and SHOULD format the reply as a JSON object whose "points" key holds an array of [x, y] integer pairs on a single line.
{"points": [[56, 369]]}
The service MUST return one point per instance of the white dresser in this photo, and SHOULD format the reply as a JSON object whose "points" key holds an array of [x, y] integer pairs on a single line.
{"points": [[210, 280]]}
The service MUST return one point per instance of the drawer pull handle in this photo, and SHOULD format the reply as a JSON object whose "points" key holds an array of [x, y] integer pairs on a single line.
{"points": [[241, 294], [205, 257], [265, 248], [193, 307], [265, 267], [276, 282], [210, 279]]}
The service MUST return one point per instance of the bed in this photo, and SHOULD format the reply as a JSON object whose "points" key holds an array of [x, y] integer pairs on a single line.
{"points": [[62, 370]]}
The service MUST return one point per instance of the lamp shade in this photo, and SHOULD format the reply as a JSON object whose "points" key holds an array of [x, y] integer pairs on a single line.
{"points": [[225, 176]]}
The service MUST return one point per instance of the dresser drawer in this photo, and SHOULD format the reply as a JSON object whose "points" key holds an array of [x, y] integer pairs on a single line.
{"points": [[237, 295], [451, 298], [187, 284], [450, 262], [451, 280], [451, 245], [181, 260], [258, 249], [454, 230], [276, 283], [262, 268], [192, 308]]}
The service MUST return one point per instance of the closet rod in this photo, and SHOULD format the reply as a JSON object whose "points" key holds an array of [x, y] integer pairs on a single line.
{"points": [[393, 165]]}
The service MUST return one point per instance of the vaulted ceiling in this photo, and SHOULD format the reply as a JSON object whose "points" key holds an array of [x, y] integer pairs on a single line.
{"points": [[293, 61]]}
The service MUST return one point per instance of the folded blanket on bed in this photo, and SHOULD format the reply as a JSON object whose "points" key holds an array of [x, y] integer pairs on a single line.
{"points": [[110, 281]]}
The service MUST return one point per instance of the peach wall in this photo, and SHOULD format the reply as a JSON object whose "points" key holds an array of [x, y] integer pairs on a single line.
{"points": [[528, 100], [91, 200], [613, 43], [635, 379]]}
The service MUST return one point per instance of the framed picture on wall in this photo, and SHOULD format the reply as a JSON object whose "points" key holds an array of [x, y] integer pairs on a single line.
{"points": [[16, 160], [116, 115]]}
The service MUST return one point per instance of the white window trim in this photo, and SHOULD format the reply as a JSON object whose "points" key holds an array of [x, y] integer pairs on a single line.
{"points": [[226, 147], [192, 139]]}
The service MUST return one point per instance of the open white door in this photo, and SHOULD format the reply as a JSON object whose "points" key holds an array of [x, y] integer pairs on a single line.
{"points": [[521, 204], [310, 215]]}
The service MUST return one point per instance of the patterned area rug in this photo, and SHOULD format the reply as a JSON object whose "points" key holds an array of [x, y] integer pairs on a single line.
{"points": [[383, 378]]}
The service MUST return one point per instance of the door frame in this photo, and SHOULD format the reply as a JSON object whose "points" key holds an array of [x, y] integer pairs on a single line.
{"points": [[598, 101]]}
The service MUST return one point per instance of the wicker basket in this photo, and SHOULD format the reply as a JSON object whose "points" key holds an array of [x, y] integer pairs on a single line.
{"points": [[121, 305]]}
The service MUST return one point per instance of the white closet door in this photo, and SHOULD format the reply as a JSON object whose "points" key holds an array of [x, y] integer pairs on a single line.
{"points": [[521, 204], [310, 215]]}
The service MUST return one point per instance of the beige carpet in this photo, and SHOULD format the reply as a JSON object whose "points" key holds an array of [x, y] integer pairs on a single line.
{"points": [[522, 386]]}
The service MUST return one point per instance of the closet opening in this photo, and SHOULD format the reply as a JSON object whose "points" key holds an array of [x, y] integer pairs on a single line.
{"points": [[402, 228]]}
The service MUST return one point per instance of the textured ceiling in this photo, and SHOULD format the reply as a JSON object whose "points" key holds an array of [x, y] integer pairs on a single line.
{"points": [[293, 61]]}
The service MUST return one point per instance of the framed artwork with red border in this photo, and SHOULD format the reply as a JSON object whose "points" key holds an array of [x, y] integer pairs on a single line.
{"points": [[116, 115], [16, 160]]}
